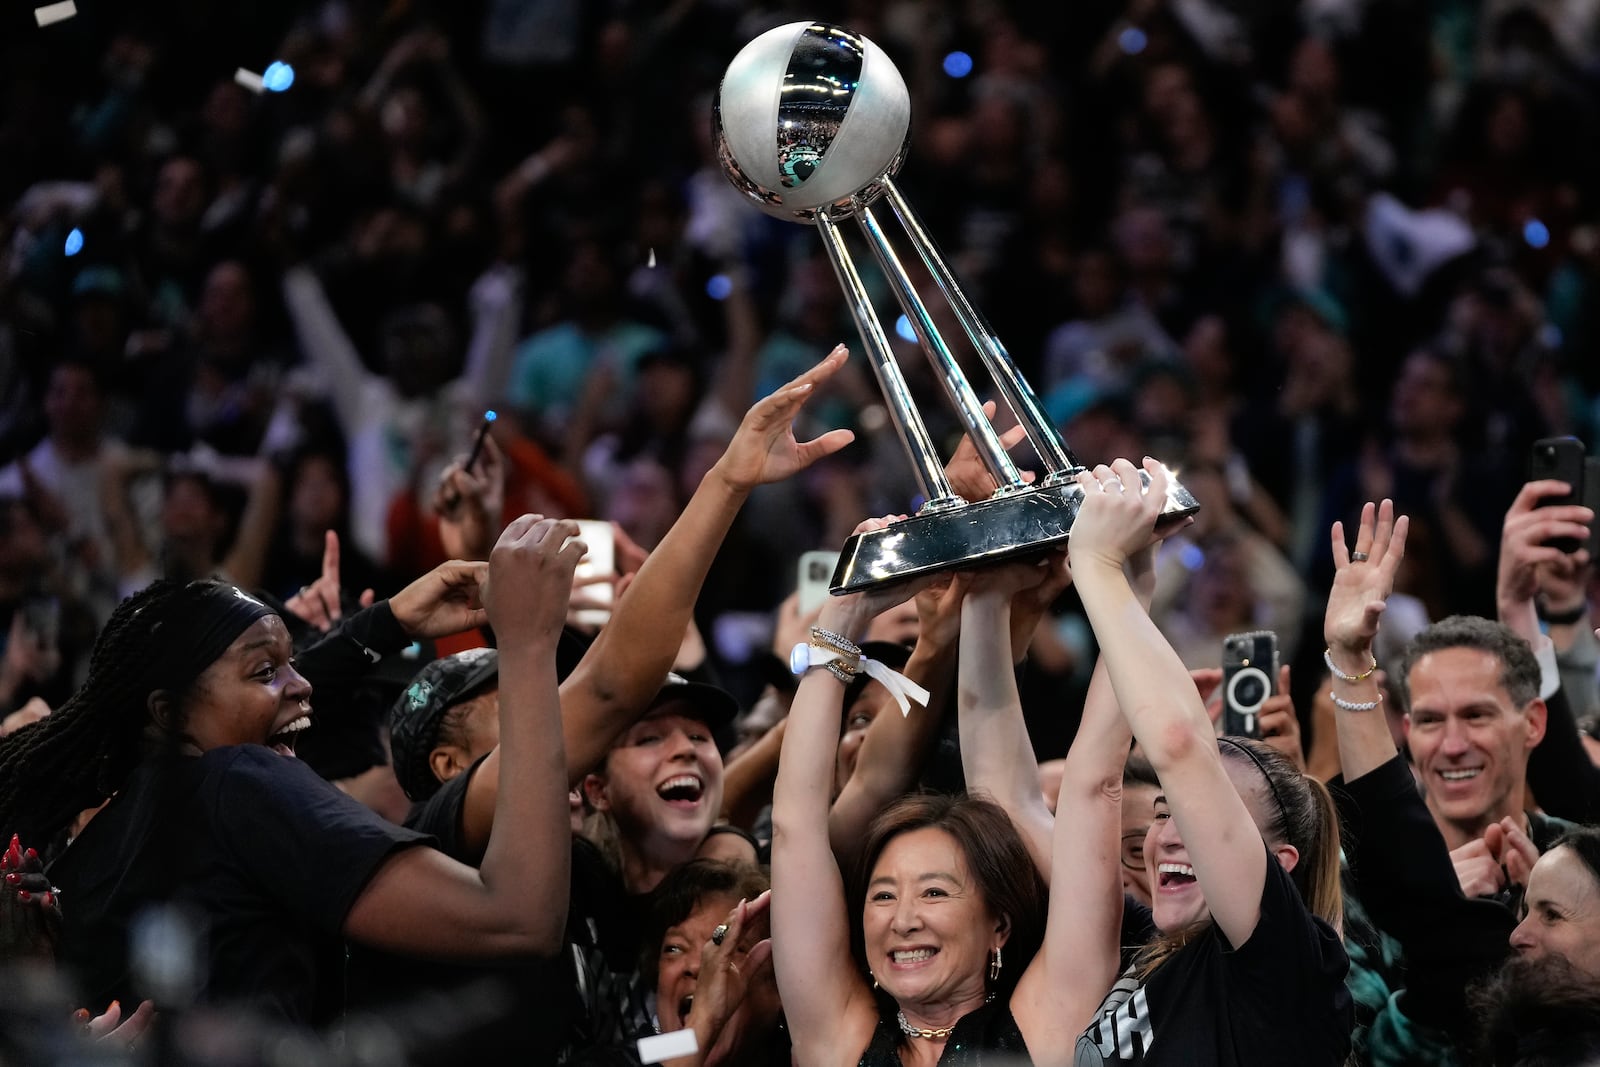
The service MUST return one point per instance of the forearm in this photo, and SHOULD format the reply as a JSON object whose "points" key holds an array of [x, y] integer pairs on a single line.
{"points": [[810, 923], [893, 750], [1365, 743], [324, 343], [634, 651], [996, 753], [747, 782], [528, 857], [1151, 685]]}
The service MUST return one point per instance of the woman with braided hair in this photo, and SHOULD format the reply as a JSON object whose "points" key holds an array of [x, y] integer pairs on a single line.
{"points": [[185, 730]]}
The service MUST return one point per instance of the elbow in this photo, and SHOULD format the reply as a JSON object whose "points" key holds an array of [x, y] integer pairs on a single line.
{"points": [[1172, 742], [534, 931]]}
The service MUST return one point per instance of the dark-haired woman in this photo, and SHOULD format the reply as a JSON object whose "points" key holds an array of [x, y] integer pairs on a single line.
{"points": [[957, 958], [187, 724], [1243, 853]]}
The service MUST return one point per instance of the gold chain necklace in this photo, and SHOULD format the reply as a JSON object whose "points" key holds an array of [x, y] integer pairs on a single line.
{"points": [[917, 1031]]}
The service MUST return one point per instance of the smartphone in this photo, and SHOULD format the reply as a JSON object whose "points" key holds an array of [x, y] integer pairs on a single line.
{"points": [[816, 574], [599, 561], [1249, 677], [1562, 459]]}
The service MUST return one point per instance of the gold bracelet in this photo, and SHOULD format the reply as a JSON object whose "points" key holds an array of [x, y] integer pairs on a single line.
{"points": [[1327, 657]]}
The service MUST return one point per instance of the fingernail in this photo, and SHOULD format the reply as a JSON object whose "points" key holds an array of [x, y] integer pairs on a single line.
{"points": [[81, 1015], [24, 896], [48, 899], [13, 879], [31, 854]]}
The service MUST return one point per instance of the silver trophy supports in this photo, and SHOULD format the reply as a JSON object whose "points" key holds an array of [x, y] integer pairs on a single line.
{"points": [[811, 123]]}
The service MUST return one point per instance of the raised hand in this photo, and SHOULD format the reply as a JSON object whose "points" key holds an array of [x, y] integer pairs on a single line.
{"points": [[447, 600], [969, 478], [530, 578], [319, 603], [764, 448], [1524, 555], [1362, 583], [469, 502], [1117, 518], [849, 615]]}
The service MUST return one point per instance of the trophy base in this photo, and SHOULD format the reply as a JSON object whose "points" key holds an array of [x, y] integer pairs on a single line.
{"points": [[1003, 528]]}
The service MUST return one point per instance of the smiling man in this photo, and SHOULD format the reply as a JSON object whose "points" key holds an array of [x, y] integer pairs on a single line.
{"points": [[1473, 717]]}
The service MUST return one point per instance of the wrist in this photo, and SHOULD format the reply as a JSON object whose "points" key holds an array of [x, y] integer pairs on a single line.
{"points": [[1557, 613], [719, 477], [1349, 661]]}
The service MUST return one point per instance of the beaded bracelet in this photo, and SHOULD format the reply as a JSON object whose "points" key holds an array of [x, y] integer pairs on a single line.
{"points": [[1327, 657], [1353, 705]]}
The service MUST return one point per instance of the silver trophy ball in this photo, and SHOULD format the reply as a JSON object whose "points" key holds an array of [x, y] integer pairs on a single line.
{"points": [[811, 116]]}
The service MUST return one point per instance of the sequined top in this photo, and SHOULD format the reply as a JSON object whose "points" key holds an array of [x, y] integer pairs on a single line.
{"points": [[987, 1035]]}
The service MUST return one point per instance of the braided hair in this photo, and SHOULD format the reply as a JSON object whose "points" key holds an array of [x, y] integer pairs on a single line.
{"points": [[83, 752]]}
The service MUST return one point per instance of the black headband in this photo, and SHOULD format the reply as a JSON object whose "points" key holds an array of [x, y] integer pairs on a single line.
{"points": [[1277, 798], [197, 627]]}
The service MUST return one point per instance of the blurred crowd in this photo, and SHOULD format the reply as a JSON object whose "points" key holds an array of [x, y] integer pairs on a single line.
{"points": [[1308, 255]]}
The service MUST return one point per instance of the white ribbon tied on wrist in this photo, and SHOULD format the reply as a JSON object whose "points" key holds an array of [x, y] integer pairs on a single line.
{"points": [[804, 657], [903, 689]]}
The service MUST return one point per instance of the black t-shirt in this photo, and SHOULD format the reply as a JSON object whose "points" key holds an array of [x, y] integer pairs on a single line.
{"points": [[1278, 998], [987, 1034], [530, 1010], [266, 856]]}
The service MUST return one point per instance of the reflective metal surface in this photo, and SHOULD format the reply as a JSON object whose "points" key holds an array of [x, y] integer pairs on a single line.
{"points": [[925, 461], [811, 123], [989, 531], [824, 70], [810, 117], [1058, 460]]}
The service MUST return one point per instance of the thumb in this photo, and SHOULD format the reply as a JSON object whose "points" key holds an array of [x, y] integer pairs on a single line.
{"points": [[1494, 838], [1283, 679]]}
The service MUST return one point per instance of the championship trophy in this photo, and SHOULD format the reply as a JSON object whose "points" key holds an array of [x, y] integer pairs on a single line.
{"points": [[811, 122]]}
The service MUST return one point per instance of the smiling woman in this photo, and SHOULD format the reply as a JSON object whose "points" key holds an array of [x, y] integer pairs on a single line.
{"points": [[185, 733]]}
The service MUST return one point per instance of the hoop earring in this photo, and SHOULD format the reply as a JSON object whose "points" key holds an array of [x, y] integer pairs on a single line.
{"points": [[874, 980], [994, 966]]}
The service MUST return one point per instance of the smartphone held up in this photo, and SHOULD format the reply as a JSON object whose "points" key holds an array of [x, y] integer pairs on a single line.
{"points": [[1249, 677], [1566, 459]]}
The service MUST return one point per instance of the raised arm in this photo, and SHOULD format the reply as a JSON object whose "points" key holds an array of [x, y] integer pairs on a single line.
{"points": [[422, 902], [896, 746], [627, 662], [1159, 699], [1361, 587], [830, 1009], [1061, 990], [325, 344], [996, 754]]}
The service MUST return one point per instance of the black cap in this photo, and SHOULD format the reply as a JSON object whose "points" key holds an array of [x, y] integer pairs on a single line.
{"points": [[711, 704], [414, 722]]}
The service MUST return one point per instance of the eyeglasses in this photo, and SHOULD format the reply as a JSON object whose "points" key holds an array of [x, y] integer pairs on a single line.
{"points": [[1133, 849]]}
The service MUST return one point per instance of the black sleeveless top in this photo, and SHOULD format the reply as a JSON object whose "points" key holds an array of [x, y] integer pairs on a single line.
{"points": [[987, 1034]]}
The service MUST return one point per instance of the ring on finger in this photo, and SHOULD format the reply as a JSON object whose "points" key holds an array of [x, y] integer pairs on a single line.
{"points": [[718, 934], [1359, 557]]}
